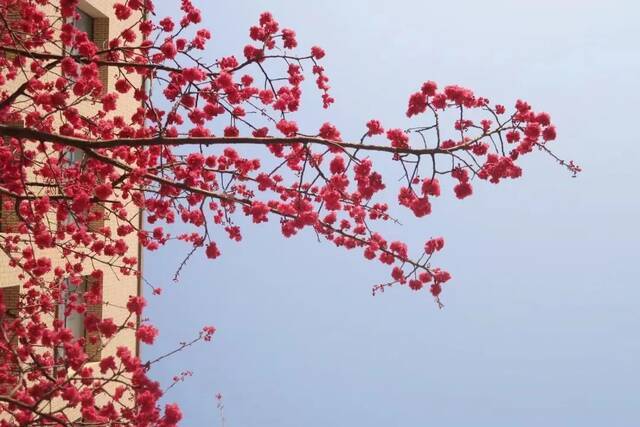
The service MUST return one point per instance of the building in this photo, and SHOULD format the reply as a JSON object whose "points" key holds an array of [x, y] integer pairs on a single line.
{"points": [[97, 19]]}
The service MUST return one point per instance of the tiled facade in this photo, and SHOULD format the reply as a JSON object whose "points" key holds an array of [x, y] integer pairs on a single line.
{"points": [[116, 288]]}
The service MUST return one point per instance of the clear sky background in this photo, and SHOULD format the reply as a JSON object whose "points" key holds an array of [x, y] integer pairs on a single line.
{"points": [[541, 320]]}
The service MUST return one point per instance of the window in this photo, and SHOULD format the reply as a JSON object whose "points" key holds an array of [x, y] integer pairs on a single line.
{"points": [[74, 157], [97, 29], [71, 296], [97, 217], [85, 23]]}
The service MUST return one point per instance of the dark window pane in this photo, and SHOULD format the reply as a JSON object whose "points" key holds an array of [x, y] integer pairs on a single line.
{"points": [[85, 23]]}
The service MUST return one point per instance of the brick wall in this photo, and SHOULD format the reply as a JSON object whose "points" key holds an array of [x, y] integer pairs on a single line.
{"points": [[101, 39]]}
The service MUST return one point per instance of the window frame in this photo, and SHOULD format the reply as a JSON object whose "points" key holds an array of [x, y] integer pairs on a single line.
{"points": [[92, 349]]}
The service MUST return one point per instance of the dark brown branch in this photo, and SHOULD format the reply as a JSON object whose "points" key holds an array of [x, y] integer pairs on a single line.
{"points": [[217, 140]]}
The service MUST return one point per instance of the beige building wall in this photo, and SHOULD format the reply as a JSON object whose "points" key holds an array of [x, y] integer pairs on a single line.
{"points": [[116, 287]]}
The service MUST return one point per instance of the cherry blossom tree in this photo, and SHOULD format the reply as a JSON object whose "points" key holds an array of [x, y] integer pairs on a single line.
{"points": [[209, 141]]}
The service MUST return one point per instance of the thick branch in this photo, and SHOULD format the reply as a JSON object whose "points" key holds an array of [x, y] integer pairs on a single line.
{"points": [[215, 140]]}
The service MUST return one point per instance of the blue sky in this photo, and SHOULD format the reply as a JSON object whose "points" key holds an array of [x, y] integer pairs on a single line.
{"points": [[541, 320]]}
